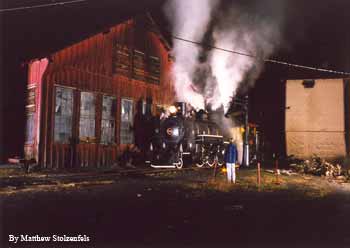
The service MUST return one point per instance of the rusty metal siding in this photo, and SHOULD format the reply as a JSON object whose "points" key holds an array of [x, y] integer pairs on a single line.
{"points": [[87, 66]]}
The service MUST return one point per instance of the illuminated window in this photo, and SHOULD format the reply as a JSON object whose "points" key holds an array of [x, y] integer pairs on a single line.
{"points": [[126, 129], [108, 120], [144, 107], [63, 115], [87, 117]]}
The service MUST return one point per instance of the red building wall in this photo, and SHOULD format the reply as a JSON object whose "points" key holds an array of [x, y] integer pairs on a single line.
{"points": [[90, 66], [35, 77]]}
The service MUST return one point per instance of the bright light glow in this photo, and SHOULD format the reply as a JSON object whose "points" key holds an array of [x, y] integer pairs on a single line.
{"points": [[176, 132], [172, 110]]}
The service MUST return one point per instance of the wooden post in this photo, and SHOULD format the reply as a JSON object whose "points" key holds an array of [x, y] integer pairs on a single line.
{"points": [[258, 176]]}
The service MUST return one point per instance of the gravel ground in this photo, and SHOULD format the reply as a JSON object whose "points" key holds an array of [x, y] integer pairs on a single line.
{"points": [[184, 209]]}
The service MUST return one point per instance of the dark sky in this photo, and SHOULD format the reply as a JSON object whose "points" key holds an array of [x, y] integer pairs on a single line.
{"points": [[314, 33], [310, 27]]}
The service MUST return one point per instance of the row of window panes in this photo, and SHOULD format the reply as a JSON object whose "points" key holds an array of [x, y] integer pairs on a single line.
{"points": [[140, 61], [64, 118], [30, 120]]}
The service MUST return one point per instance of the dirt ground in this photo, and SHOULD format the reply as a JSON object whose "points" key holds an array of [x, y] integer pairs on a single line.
{"points": [[184, 209]]}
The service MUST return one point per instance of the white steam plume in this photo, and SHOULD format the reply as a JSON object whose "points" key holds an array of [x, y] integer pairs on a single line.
{"points": [[243, 33], [190, 19]]}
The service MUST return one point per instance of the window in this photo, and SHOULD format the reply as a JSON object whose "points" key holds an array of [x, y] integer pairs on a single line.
{"points": [[144, 107], [30, 121], [108, 119], [63, 115], [126, 131], [29, 139], [122, 61], [309, 84], [30, 104], [87, 117], [139, 65], [154, 70], [136, 64]]}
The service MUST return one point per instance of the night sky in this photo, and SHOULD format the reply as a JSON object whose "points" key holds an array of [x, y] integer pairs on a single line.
{"points": [[314, 33]]}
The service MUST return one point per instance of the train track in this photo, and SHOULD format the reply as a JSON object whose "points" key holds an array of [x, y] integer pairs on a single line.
{"points": [[112, 175], [61, 179]]}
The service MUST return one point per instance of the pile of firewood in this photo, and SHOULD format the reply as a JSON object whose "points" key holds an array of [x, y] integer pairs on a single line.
{"points": [[320, 167]]}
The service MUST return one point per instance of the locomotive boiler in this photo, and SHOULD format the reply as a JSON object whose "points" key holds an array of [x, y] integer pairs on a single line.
{"points": [[185, 137]]}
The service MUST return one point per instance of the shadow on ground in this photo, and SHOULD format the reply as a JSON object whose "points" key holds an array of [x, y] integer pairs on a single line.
{"points": [[179, 211]]}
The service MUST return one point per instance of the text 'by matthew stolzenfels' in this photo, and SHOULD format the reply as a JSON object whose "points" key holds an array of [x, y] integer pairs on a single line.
{"points": [[53, 238]]}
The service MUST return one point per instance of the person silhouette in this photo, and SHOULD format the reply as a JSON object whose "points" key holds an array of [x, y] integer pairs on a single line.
{"points": [[231, 156]]}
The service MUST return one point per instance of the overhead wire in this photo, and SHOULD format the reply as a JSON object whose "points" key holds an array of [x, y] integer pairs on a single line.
{"points": [[274, 61], [41, 6]]}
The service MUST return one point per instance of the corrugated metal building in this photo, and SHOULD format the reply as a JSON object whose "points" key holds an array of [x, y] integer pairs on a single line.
{"points": [[81, 100], [317, 118]]}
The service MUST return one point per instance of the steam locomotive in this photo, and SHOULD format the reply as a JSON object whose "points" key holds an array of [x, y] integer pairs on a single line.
{"points": [[183, 137]]}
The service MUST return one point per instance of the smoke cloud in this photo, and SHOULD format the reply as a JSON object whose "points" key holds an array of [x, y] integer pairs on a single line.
{"points": [[254, 31], [239, 31], [190, 19]]}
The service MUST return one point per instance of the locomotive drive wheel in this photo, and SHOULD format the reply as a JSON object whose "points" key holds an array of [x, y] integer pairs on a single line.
{"points": [[200, 164], [211, 162], [179, 165]]}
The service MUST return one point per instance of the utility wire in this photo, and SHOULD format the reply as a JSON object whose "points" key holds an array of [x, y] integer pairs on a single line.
{"points": [[274, 61], [41, 6]]}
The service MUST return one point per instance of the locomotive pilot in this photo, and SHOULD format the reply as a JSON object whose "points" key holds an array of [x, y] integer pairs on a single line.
{"points": [[231, 156]]}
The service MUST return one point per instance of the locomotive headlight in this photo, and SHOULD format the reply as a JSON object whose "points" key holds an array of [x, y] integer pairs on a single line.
{"points": [[156, 130], [176, 132], [172, 109]]}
